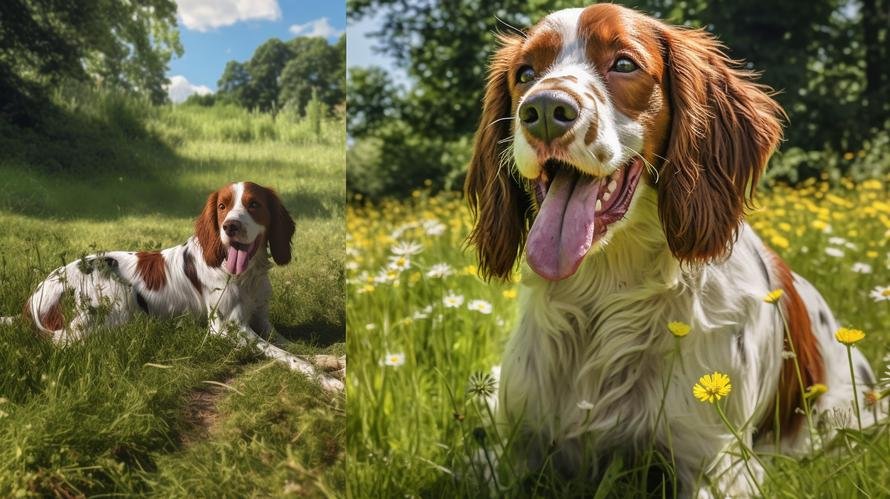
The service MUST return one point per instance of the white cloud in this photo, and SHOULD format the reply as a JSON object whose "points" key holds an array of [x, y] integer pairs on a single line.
{"points": [[180, 89], [204, 15], [319, 27]]}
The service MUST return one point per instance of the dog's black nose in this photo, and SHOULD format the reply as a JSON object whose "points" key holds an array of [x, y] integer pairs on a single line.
{"points": [[232, 227], [548, 114]]}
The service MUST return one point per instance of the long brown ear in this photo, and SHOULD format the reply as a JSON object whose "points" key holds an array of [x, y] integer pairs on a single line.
{"points": [[207, 231], [499, 204], [724, 127], [281, 229]]}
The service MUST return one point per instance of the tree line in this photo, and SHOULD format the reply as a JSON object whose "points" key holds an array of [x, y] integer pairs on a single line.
{"points": [[828, 60], [127, 47]]}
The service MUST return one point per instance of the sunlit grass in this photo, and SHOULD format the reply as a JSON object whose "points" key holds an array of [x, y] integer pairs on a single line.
{"points": [[418, 334], [108, 415]]}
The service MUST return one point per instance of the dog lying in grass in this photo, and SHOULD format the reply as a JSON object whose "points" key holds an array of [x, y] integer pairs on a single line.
{"points": [[221, 272]]}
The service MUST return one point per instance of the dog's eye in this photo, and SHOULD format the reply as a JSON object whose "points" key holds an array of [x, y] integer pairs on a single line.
{"points": [[253, 205], [624, 65], [525, 74], [221, 206]]}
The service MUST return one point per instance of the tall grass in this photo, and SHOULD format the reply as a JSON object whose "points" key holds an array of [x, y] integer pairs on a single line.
{"points": [[115, 414], [422, 346]]}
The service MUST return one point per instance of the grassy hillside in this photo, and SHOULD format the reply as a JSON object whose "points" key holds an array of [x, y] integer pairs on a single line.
{"points": [[424, 332], [158, 407]]}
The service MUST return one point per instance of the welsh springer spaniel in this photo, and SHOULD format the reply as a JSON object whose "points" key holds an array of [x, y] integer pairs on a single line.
{"points": [[620, 153], [221, 272]]}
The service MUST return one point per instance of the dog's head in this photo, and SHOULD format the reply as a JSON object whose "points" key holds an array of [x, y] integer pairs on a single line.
{"points": [[240, 219], [591, 104]]}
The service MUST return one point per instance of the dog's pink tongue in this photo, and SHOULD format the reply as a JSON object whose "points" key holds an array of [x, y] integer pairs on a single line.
{"points": [[563, 230], [237, 260]]}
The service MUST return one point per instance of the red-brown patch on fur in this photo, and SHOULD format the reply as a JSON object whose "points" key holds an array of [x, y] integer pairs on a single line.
{"points": [[151, 267], [266, 208], [723, 129], [500, 206], [207, 226], [809, 357], [51, 320]]}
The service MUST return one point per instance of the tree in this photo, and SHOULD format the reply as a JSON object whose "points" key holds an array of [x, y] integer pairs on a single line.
{"points": [[121, 44], [827, 58], [315, 65], [265, 68], [371, 101]]}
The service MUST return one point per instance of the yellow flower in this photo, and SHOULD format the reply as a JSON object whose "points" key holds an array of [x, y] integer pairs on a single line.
{"points": [[815, 390], [849, 336], [779, 241], [510, 293], [679, 329], [712, 387], [773, 296]]}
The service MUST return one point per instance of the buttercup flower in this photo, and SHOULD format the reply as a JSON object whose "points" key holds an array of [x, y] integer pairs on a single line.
{"points": [[773, 296], [679, 329], [815, 390], [849, 336], [712, 387]]}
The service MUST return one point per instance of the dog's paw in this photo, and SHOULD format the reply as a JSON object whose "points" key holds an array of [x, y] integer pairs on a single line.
{"points": [[330, 363], [330, 384]]}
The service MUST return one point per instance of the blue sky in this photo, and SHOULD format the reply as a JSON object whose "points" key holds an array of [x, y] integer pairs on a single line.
{"points": [[360, 48], [214, 32]]}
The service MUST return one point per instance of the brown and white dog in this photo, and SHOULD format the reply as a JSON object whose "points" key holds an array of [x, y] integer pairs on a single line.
{"points": [[221, 273], [620, 153]]}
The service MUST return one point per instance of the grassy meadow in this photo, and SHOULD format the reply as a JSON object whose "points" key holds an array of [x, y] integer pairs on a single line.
{"points": [[158, 407], [425, 332]]}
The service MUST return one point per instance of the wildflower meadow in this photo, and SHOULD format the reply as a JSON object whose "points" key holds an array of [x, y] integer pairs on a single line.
{"points": [[426, 334]]}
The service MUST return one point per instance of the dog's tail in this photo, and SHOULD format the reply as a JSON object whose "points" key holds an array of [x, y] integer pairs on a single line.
{"points": [[44, 307]]}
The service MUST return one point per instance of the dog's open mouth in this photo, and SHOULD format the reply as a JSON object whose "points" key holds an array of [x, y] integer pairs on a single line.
{"points": [[239, 256], [575, 210]]}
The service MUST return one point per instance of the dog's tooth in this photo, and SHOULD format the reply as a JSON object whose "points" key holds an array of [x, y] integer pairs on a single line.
{"points": [[599, 204], [612, 185], [607, 195]]}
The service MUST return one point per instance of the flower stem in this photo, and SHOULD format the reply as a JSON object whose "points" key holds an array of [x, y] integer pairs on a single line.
{"points": [[744, 447], [853, 381], [803, 398]]}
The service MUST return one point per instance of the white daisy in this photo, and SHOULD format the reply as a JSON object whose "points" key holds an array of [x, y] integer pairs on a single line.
{"points": [[422, 313], [394, 359], [880, 293], [481, 306], [399, 263], [440, 270], [837, 241], [370, 326], [406, 248], [352, 265], [386, 275], [452, 300], [434, 228], [861, 268], [835, 252]]}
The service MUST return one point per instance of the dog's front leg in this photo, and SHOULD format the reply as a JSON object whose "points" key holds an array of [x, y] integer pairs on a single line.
{"points": [[246, 336]]}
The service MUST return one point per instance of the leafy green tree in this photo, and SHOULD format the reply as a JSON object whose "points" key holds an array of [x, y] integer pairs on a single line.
{"points": [[265, 69], [372, 99], [316, 65], [126, 45]]}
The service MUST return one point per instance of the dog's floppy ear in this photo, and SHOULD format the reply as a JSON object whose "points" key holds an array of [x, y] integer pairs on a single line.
{"points": [[724, 127], [207, 231], [499, 204], [281, 229]]}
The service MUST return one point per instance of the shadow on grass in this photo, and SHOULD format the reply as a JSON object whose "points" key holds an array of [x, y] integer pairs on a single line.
{"points": [[103, 163], [319, 333]]}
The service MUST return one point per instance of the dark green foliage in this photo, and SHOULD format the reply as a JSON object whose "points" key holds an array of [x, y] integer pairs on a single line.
{"points": [[827, 60], [285, 75], [122, 45]]}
